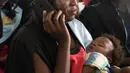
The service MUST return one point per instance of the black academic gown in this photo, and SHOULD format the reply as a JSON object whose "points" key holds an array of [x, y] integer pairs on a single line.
{"points": [[29, 39], [103, 18]]}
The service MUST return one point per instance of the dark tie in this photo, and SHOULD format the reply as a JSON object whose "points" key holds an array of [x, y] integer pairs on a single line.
{"points": [[1, 24]]}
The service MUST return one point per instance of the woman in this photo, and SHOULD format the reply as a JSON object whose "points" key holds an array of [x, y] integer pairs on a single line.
{"points": [[35, 49], [9, 23]]}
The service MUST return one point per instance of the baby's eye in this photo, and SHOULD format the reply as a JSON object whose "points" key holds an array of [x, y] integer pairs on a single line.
{"points": [[101, 45]]}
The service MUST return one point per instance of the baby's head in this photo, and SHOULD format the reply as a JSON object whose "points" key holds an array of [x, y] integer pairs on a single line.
{"points": [[109, 46]]}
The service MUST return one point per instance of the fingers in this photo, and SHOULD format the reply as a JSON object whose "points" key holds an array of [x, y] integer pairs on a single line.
{"points": [[47, 22], [54, 24], [62, 21], [53, 21], [57, 18], [44, 15], [44, 19]]}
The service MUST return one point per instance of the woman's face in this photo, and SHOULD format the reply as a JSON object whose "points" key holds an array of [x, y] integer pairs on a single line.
{"points": [[102, 45], [69, 8]]}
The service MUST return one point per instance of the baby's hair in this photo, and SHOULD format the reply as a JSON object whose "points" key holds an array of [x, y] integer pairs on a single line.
{"points": [[118, 54]]}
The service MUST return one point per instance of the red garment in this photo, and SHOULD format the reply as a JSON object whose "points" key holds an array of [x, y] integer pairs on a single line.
{"points": [[86, 2], [3, 52], [1, 71], [77, 61]]}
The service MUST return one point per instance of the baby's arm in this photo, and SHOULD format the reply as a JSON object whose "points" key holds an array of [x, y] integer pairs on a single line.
{"points": [[116, 69], [95, 62], [125, 69], [88, 69]]}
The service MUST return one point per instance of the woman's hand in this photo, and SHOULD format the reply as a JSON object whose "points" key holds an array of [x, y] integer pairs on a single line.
{"points": [[54, 24]]}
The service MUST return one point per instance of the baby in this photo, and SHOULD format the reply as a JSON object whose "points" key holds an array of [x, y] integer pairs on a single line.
{"points": [[104, 51]]}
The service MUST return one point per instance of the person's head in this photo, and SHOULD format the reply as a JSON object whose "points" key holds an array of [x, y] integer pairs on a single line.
{"points": [[68, 7], [6, 6], [109, 46]]}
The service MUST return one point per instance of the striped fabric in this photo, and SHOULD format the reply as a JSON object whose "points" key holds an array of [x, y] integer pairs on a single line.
{"points": [[99, 61]]}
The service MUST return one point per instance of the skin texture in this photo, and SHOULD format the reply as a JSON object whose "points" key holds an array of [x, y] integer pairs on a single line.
{"points": [[58, 30], [102, 45]]}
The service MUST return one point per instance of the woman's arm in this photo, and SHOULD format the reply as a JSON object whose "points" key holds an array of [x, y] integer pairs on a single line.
{"points": [[62, 62], [63, 59], [58, 30], [39, 64]]}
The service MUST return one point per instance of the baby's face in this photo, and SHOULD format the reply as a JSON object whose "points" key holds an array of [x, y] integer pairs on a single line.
{"points": [[102, 45]]}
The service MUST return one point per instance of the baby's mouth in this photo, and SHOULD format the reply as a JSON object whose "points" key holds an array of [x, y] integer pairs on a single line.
{"points": [[89, 48]]}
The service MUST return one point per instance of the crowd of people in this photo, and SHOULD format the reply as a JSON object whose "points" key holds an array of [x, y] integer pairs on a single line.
{"points": [[52, 36]]}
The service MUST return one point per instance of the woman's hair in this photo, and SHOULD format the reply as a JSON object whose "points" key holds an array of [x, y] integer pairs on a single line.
{"points": [[118, 54], [8, 10]]}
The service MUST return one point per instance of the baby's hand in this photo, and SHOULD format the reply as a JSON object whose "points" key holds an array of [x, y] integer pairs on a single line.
{"points": [[116, 70], [125, 70]]}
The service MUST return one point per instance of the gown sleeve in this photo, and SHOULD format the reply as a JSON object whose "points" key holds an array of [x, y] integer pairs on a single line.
{"points": [[19, 58]]}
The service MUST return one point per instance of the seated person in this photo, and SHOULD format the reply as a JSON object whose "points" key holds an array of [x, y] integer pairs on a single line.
{"points": [[106, 45]]}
